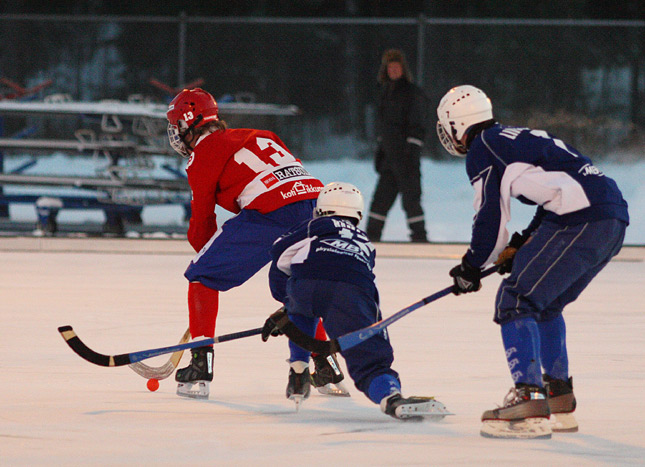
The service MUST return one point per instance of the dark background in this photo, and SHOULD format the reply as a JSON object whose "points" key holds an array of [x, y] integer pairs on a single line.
{"points": [[571, 9], [575, 68]]}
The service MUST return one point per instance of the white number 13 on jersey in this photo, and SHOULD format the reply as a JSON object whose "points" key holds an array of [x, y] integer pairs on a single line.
{"points": [[280, 156]]}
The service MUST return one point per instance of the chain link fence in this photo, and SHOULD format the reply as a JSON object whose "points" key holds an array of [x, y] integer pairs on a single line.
{"points": [[581, 80]]}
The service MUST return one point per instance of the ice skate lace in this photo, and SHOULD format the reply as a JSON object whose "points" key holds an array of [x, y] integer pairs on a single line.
{"points": [[513, 397]]}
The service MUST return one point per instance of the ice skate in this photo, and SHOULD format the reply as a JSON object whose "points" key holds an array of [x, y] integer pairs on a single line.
{"points": [[413, 408], [562, 404], [327, 376], [299, 385], [338, 390], [194, 380], [524, 414]]}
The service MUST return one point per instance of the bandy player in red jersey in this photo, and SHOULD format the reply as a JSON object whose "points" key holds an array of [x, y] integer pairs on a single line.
{"points": [[250, 173]]}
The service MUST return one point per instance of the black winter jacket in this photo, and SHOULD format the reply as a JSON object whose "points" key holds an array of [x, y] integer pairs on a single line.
{"points": [[400, 119]]}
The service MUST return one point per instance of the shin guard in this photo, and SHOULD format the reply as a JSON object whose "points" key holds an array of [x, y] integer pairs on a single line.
{"points": [[203, 305], [553, 348], [522, 345]]}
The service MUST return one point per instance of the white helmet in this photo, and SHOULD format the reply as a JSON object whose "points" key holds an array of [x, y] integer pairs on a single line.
{"points": [[461, 108], [340, 199]]}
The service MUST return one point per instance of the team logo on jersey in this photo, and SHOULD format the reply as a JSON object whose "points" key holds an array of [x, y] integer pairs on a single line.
{"points": [[360, 251], [589, 169], [342, 245], [286, 173], [300, 188], [269, 180]]}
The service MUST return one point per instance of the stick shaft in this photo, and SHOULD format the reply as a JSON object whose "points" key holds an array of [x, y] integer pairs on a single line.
{"points": [[354, 338], [91, 356]]}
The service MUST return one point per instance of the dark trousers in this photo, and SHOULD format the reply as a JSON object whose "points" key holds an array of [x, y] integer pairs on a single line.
{"points": [[401, 177], [343, 308], [553, 269]]}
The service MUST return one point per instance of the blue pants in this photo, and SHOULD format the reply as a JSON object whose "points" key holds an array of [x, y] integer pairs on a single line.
{"points": [[241, 247], [551, 270], [344, 308]]}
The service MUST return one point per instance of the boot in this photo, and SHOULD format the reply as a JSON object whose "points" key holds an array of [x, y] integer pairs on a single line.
{"points": [[524, 414], [375, 227], [522, 401], [562, 404], [413, 408], [299, 384], [326, 370], [327, 376], [418, 232], [199, 373]]}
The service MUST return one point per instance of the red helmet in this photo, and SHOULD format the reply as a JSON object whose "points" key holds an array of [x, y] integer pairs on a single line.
{"points": [[190, 109], [189, 105]]}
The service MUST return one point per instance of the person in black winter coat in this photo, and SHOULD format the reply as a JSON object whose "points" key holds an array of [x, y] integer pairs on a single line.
{"points": [[400, 132]]}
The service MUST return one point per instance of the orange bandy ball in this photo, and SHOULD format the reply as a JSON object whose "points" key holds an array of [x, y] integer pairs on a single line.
{"points": [[153, 384]]}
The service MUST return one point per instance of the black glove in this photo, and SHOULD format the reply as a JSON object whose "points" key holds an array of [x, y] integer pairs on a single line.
{"points": [[517, 240], [505, 258], [270, 327], [467, 278]]}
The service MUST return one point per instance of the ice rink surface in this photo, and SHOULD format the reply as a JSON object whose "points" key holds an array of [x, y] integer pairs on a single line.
{"points": [[58, 409]]}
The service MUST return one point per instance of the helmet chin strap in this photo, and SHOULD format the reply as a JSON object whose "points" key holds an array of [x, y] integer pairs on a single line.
{"points": [[449, 142], [461, 149], [190, 131]]}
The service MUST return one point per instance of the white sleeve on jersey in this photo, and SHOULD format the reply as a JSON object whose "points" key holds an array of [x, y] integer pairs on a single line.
{"points": [[296, 253], [555, 191]]}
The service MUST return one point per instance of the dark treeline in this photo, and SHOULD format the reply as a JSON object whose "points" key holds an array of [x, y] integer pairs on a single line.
{"points": [[569, 9]]}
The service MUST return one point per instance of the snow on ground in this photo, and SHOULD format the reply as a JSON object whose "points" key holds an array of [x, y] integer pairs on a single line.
{"points": [[60, 410], [447, 196]]}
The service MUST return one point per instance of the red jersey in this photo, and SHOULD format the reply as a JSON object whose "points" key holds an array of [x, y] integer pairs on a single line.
{"points": [[242, 169]]}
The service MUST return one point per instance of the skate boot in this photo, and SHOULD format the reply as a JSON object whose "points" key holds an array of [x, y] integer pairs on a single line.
{"points": [[326, 373], [199, 373], [418, 232], [524, 414], [562, 404], [413, 408], [299, 385]]}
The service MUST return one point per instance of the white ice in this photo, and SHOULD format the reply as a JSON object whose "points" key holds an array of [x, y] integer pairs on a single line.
{"points": [[58, 409]]}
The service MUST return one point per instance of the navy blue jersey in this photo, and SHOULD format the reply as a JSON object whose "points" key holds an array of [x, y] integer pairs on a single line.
{"points": [[328, 248], [535, 168]]}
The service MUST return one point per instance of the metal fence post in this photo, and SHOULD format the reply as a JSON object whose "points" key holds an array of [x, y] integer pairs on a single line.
{"points": [[181, 54], [421, 37]]}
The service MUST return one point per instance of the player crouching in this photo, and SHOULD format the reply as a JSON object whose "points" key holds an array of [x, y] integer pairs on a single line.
{"points": [[322, 269]]}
